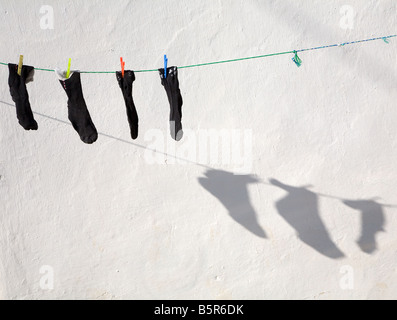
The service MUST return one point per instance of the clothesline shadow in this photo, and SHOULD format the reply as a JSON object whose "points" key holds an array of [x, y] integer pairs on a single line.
{"points": [[69, 124], [299, 207], [115, 138]]}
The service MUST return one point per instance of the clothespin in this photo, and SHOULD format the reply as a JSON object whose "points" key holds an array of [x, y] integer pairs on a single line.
{"points": [[122, 66], [165, 66], [68, 72], [20, 64], [296, 59], [385, 40]]}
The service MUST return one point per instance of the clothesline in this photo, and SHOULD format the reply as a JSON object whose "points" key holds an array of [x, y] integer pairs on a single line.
{"points": [[78, 114], [384, 38]]}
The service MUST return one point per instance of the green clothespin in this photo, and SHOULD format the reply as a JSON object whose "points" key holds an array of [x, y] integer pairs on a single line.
{"points": [[386, 40], [296, 59]]}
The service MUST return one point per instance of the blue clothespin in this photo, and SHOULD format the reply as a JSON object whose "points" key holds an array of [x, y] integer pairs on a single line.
{"points": [[165, 66]]}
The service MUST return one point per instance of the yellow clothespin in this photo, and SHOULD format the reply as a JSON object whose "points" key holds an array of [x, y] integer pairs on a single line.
{"points": [[68, 72], [20, 64]]}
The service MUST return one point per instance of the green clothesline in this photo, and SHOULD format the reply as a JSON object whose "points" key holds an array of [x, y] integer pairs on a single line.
{"points": [[242, 59]]}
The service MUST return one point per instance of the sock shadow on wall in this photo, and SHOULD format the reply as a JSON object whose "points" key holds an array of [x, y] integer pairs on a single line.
{"points": [[372, 222], [232, 191], [299, 208]]}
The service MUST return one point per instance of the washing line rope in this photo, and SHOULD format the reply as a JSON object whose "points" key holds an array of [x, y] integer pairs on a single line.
{"points": [[240, 59]]}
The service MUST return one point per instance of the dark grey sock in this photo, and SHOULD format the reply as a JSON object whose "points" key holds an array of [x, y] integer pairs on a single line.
{"points": [[171, 85], [126, 87], [77, 109], [20, 96]]}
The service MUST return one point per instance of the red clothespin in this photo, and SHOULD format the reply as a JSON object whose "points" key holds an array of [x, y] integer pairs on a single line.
{"points": [[122, 66]]}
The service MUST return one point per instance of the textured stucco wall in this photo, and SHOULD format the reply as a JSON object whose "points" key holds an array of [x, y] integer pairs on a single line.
{"points": [[119, 220]]}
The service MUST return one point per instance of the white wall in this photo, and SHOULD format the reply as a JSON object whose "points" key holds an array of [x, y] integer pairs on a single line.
{"points": [[112, 225]]}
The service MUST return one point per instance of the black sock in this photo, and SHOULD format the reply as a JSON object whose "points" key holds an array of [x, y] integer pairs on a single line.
{"points": [[20, 96], [126, 87], [171, 85], [77, 109]]}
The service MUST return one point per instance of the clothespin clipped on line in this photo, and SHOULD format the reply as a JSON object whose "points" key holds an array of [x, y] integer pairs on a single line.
{"points": [[122, 66], [297, 60], [165, 66], [386, 40], [341, 44], [68, 71], [20, 64]]}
